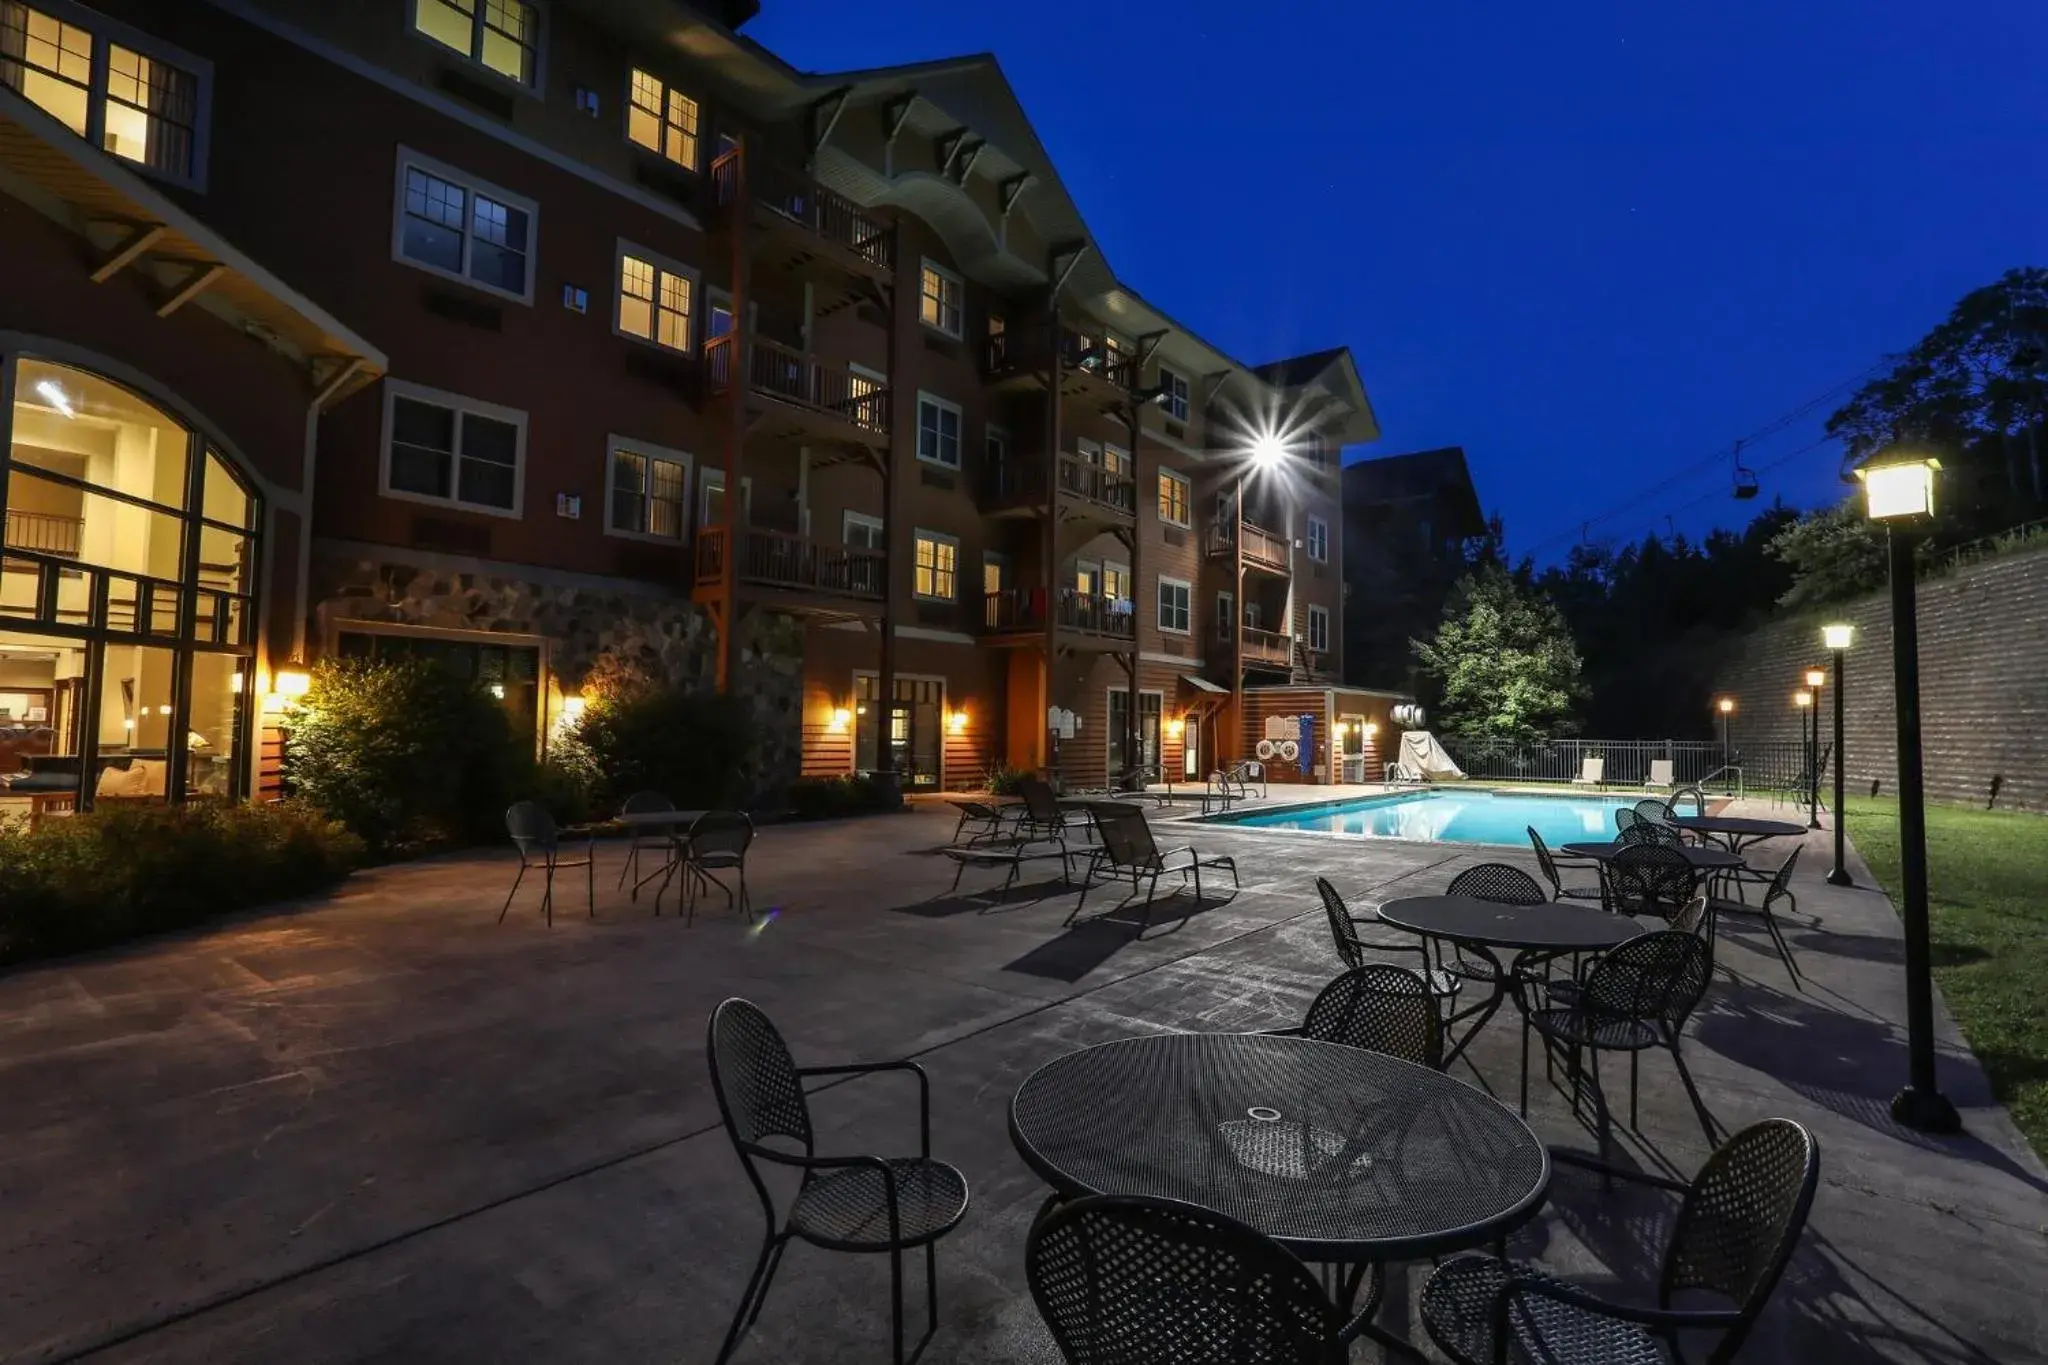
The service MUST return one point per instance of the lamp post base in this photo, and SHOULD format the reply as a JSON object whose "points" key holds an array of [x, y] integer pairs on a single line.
{"points": [[1839, 877], [1926, 1111]]}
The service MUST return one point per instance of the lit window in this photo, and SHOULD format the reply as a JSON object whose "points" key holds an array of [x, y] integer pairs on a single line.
{"points": [[1319, 629], [994, 573], [1175, 596], [662, 119], [649, 491], [1175, 497], [1116, 582], [501, 35], [441, 447], [937, 563], [453, 225], [1318, 540], [938, 432], [142, 106], [656, 298], [1173, 394], [940, 302]]}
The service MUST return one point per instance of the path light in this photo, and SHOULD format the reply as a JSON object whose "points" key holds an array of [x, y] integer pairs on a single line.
{"points": [[1816, 678], [1838, 638], [1726, 707], [1898, 487]]}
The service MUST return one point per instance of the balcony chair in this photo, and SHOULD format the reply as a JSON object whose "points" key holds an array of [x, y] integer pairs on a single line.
{"points": [[866, 1204]]}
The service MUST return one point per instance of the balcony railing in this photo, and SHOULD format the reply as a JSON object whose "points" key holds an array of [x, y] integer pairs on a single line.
{"points": [[1014, 610], [781, 560], [1261, 547], [1021, 479], [1025, 349], [786, 373], [1269, 648], [44, 531], [804, 202]]}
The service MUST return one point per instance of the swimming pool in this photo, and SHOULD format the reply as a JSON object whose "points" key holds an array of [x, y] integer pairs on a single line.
{"points": [[1450, 817]]}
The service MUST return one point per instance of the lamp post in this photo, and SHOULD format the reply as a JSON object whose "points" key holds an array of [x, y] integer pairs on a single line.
{"points": [[1899, 488], [1726, 706], [1838, 638], [1802, 701], [1816, 679]]}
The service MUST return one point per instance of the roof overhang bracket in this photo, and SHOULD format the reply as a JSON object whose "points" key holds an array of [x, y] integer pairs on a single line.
{"points": [[198, 282], [946, 149], [968, 157], [140, 240], [895, 114], [1065, 258], [1012, 190], [1215, 381], [825, 115], [331, 375], [1148, 346]]}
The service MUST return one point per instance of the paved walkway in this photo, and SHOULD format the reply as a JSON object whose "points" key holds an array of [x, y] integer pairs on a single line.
{"points": [[383, 1127]]}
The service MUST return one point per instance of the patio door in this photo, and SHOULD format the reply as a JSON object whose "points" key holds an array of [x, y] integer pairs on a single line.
{"points": [[1149, 707], [915, 727]]}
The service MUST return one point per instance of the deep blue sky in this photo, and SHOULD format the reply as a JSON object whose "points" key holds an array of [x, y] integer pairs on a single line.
{"points": [[1591, 243]]}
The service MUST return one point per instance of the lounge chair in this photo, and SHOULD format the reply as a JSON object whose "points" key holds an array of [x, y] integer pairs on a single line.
{"points": [[1592, 773], [1660, 776], [1128, 850], [1044, 817], [980, 821]]}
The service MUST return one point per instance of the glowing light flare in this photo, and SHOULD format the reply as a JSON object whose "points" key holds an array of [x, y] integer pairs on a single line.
{"points": [[1900, 488], [56, 397], [1816, 678], [1838, 637]]}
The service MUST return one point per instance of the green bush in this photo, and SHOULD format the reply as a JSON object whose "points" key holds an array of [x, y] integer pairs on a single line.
{"points": [[696, 749], [1002, 781], [105, 876], [404, 753], [829, 798]]}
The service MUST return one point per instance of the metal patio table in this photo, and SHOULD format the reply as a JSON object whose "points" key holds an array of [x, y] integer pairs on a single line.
{"points": [[677, 821], [1535, 933], [1344, 1156], [1704, 857], [1737, 832]]}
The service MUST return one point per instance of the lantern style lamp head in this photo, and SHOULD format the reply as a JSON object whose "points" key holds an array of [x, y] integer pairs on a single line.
{"points": [[1838, 637], [1899, 486], [1726, 706], [1816, 678], [1802, 698]]}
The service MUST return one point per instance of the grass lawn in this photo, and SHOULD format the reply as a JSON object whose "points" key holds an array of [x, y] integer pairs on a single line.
{"points": [[1987, 879]]}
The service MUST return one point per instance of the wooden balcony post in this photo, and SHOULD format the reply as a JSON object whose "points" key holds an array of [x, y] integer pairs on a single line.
{"points": [[1133, 418], [739, 378]]}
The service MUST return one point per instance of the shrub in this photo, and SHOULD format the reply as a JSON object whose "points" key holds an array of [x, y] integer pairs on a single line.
{"points": [[1002, 781], [828, 798], [404, 753], [695, 749], [104, 876]]}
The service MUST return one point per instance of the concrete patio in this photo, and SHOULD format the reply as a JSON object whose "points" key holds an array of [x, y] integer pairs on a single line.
{"points": [[383, 1127]]}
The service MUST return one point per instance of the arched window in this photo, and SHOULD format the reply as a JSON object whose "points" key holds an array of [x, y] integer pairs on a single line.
{"points": [[127, 599]]}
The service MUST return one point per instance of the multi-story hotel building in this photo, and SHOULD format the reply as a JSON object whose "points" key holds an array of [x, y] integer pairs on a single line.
{"points": [[551, 335]]}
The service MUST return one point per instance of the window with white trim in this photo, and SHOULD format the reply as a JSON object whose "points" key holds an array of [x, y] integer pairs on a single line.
{"points": [[502, 36], [859, 531], [1175, 595], [657, 297], [936, 566], [1319, 629], [938, 431], [442, 447], [996, 444], [1318, 540], [456, 225], [940, 294], [124, 92], [649, 488], [662, 119], [711, 498], [1173, 395], [1176, 497]]}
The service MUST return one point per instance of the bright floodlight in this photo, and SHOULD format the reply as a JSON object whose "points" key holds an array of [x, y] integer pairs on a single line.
{"points": [[1267, 450], [1899, 486], [1838, 637]]}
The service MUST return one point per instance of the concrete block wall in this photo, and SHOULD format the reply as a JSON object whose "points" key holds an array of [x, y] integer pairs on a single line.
{"points": [[1983, 681]]}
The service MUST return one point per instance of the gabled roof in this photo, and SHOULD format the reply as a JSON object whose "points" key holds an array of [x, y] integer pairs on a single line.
{"points": [[1299, 369], [1331, 376], [1440, 475]]}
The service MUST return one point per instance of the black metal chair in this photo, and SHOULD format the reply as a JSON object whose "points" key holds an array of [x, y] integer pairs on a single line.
{"points": [[1778, 891], [1043, 817], [1125, 1280], [1633, 997], [853, 1203], [1626, 818], [1501, 882], [1352, 948], [1553, 867], [1656, 811], [717, 842], [1126, 849], [646, 803], [540, 844], [1737, 1225], [1381, 1008], [1648, 831], [1650, 879]]}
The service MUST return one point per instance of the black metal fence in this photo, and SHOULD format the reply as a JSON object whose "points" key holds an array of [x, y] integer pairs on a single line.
{"points": [[1764, 766]]}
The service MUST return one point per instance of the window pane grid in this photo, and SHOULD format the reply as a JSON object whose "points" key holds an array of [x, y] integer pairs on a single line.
{"points": [[936, 564], [1173, 499], [464, 231], [940, 302]]}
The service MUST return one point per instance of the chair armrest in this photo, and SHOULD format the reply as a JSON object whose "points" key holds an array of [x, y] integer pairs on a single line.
{"points": [[924, 1090], [807, 1164], [1668, 1319]]}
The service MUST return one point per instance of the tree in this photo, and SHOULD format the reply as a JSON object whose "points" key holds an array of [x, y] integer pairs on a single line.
{"points": [[1503, 659], [1834, 553]]}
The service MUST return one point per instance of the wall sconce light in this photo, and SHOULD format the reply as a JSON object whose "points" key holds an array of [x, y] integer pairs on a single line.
{"points": [[957, 721], [1176, 727], [292, 683], [1371, 728], [840, 718], [861, 710], [573, 707], [163, 710], [498, 691]]}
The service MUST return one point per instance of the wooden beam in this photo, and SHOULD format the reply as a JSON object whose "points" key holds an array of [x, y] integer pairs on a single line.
{"points": [[825, 113], [1012, 190], [1148, 346], [895, 114], [967, 161], [946, 147], [1215, 384], [197, 283], [143, 239]]}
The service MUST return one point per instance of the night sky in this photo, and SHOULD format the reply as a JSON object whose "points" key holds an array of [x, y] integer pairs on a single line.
{"points": [[1592, 243]]}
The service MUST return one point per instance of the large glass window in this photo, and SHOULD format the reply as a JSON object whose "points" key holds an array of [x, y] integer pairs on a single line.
{"points": [[130, 539], [143, 104], [914, 728], [453, 224], [662, 119], [500, 35]]}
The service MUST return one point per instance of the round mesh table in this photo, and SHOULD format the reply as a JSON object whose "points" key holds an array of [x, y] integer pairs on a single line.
{"points": [[1339, 1153], [1739, 832], [1706, 857]]}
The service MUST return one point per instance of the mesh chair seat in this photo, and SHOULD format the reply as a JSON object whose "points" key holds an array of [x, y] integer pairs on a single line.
{"points": [[848, 1209], [1458, 1313], [1580, 1028]]}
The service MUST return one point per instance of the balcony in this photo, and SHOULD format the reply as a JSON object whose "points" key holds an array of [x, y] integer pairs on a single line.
{"points": [[1016, 616], [1016, 358], [1016, 483], [1262, 548], [44, 532], [795, 564], [1262, 648], [814, 225], [808, 397]]}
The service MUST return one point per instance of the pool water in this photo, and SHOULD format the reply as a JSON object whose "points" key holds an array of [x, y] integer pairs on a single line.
{"points": [[1450, 817]]}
